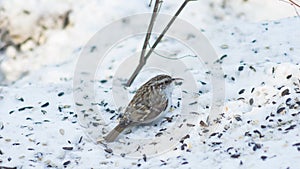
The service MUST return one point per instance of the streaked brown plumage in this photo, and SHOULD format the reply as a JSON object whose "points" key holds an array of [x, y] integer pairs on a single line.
{"points": [[150, 101]]}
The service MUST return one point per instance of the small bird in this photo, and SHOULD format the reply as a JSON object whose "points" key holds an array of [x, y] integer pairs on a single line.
{"points": [[151, 100]]}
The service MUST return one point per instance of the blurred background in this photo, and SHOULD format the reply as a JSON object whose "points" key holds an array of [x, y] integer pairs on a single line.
{"points": [[36, 33]]}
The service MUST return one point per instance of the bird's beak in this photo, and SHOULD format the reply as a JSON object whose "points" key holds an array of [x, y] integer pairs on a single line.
{"points": [[173, 79], [176, 82]]}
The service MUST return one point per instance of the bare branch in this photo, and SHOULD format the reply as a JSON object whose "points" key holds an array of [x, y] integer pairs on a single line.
{"points": [[150, 27], [167, 28], [294, 3], [142, 63]]}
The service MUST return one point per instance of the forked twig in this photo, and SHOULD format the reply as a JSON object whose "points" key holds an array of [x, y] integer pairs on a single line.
{"points": [[144, 59]]}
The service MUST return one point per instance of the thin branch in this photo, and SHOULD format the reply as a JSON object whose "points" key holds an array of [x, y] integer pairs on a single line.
{"points": [[141, 65], [166, 28], [296, 11], [177, 58], [150, 27], [294, 3], [150, 3]]}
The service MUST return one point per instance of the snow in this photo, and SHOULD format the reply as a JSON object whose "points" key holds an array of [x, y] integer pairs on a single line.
{"points": [[41, 125]]}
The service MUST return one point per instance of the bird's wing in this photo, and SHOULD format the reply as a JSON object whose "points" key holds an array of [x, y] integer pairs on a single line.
{"points": [[147, 110]]}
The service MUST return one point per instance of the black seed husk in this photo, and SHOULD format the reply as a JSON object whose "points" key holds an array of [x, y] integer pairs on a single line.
{"points": [[24, 108], [60, 94], [45, 105], [68, 148], [285, 92]]}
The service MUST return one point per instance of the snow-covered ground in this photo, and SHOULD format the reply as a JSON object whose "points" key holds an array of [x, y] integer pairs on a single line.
{"points": [[258, 50]]}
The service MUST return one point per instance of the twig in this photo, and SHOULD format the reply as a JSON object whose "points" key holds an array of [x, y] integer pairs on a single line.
{"points": [[150, 27], [177, 58], [166, 28], [150, 3], [294, 3], [141, 65]]}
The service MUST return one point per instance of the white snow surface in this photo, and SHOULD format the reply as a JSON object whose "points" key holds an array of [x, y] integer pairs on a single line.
{"points": [[258, 46]]}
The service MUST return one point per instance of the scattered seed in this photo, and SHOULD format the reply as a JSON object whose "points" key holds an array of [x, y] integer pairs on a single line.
{"points": [[241, 68], [203, 124], [66, 163], [280, 110], [263, 158], [193, 103], [288, 76], [158, 134], [21, 99], [295, 114], [44, 111], [235, 156], [16, 144], [242, 91], [163, 129], [256, 147], [45, 105], [288, 101], [108, 150], [80, 139], [251, 101], [285, 92], [60, 94], [241, 162], [213, 134], [1, 125], [296, 144], [144, 157], [62, 131], [79, 104], [216, 143], [184, 138], [252, 68], [24, 108], [190, 125], [291, 127], [259, 133], [184, 163], [64, 118], [238, 118], [223, 57], [68, 148], [103, 81], [247, 133]]}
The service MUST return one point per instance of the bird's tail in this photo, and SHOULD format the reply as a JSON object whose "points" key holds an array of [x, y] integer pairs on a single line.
{"points": [[111, 136]]}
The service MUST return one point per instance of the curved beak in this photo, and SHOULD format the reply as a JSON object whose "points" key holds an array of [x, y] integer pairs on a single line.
{"points": [[173, 79], [176, 82]]}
